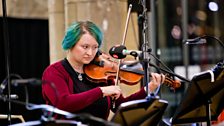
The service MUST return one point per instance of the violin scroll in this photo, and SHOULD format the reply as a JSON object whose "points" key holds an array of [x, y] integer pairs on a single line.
{"points": [[171, 83]]}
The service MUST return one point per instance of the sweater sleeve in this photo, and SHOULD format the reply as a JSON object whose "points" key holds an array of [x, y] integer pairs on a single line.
{"points": [[61, 93]]}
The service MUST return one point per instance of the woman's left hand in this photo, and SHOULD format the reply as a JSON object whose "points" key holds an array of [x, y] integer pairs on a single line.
{"points": [[156, 80]]}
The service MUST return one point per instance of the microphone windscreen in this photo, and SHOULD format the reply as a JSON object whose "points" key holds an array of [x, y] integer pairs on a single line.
{"points": [[117, 51]]}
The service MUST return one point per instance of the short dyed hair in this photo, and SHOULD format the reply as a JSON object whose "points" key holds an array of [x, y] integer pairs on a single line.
{"points": [[77, 29]]}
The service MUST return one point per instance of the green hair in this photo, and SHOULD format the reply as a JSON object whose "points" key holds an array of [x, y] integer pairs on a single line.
{"points": [[77, 29]]}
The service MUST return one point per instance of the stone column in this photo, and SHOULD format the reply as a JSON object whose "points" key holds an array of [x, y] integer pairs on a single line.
{"points": [[56, 29], [107, 14]]}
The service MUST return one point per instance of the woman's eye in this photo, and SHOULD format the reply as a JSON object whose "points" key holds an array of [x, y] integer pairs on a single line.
{"points": [[85, 47]]}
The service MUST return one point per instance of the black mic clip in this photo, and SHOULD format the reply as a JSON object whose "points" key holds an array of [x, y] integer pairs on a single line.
{"points": [[5, 97], [134, 53], [198, 40]]}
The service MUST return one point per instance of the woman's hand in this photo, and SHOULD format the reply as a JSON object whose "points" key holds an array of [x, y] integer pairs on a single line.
{"points": [[113, 91], [156, 80]]}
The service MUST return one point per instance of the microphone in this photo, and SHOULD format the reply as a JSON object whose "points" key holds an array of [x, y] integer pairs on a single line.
{"points": [[198, 40], [120, 52], [31, 81]]}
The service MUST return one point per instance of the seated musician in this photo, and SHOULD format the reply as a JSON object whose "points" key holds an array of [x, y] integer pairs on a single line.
{"points": [[74, 92]]}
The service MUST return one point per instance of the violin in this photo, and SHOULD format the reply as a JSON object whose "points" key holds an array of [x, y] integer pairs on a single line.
{"points": [[102, 68]]}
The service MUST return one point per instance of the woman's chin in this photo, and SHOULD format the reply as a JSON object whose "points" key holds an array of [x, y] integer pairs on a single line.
{"points": [[86, 62]]}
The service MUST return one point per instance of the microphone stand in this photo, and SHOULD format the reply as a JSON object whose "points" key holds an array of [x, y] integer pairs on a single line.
{"points": [[145, 48], [6, 43]]}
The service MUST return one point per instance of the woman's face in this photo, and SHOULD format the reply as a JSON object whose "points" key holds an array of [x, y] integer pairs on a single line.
{"points": [[85, 49]]}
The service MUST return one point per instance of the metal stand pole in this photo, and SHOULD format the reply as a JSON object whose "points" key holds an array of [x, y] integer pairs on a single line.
{"points": [[6, 43], [145, 47]]}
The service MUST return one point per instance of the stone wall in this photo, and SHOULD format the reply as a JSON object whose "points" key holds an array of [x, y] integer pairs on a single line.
{"points": [[26, 9]]}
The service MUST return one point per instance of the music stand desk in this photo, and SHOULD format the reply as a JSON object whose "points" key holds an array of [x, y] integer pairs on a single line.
{"points": [[203, 100], [145, 112]]}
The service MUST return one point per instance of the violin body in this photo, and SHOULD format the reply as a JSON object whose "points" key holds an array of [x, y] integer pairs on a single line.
{"points": [[107, 71]]}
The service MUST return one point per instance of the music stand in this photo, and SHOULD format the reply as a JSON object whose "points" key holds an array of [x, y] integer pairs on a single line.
{"points": [[145, 112], [203, 101]]}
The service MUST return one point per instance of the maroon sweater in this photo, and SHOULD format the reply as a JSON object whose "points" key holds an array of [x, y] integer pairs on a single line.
{"points": [[62, 94]]}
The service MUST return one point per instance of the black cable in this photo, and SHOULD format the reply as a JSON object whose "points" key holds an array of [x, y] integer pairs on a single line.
{"points": [[170, 72], [167, 70], [212, 37], [161, 62]]}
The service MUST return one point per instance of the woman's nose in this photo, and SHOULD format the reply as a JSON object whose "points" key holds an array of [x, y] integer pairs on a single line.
{"points": [[90, 51]]}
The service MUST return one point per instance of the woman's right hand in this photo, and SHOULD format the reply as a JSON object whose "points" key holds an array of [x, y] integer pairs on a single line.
{"points": [[113, 91]]}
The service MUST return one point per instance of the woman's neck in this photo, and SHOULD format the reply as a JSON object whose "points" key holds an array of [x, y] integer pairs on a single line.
{"points": [[75, 65]]}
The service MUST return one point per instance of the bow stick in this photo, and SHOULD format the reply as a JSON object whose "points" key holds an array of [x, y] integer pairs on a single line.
{"points": [[123, 43]]}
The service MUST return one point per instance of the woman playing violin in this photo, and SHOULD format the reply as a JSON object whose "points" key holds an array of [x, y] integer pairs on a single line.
{"points": [[74, 92]]}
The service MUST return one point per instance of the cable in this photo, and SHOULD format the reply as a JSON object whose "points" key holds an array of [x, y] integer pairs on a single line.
{"points": [[212, 37], [161, 62]]}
